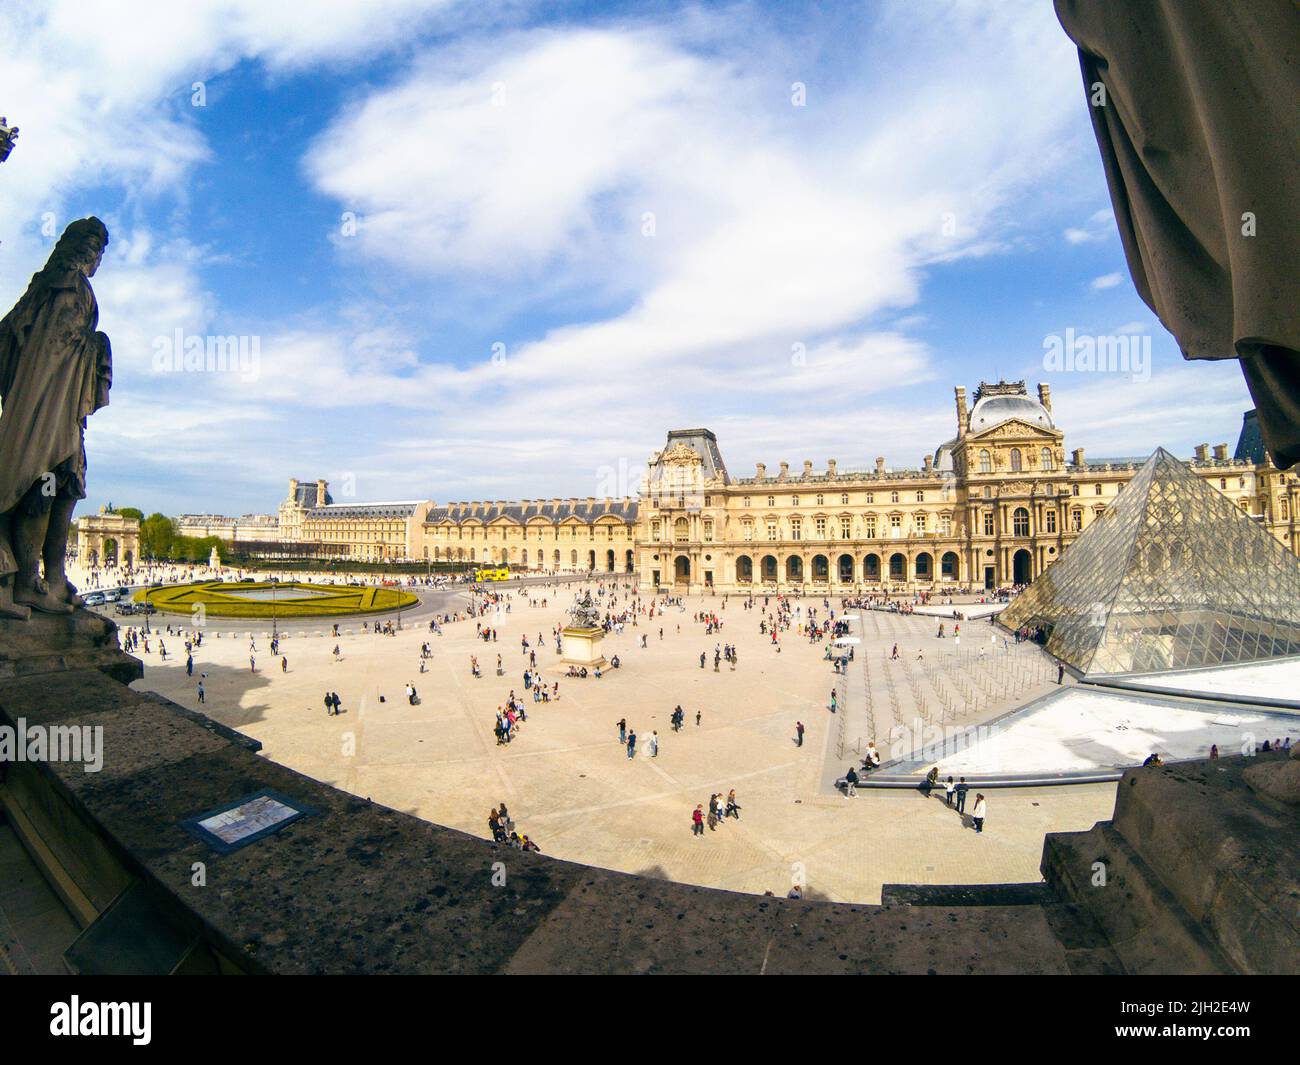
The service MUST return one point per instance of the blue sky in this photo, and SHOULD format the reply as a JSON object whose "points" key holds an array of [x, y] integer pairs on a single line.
{"points": [[573, 227]]}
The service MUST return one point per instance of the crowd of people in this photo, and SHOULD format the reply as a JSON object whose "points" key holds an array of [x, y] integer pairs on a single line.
{"points": [[501, 827], [719, 809]]}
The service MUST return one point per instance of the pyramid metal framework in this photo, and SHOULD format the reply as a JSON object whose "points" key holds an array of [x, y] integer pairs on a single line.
{"points": [[1170, 576]]}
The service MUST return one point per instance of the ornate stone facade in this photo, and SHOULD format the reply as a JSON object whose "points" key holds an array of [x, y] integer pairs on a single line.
{"points": [[542, 535], [992, 507], [108, 538]]}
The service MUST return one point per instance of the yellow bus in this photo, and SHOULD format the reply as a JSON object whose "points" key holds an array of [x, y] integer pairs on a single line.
{"points": [[502, 574]]}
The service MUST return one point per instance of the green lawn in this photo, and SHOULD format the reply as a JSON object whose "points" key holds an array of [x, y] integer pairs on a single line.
{"points": [[220, 600]]}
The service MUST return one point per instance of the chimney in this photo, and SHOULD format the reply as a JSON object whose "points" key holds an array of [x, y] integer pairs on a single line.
{"points": [[928, 463], [880, 464], [1076, 456], [762, 470], [293, 486], [321, 488], [830, 467], [1045, 397], [785, 471], [1220, 452], [807, 468], [963, 415], [1202, 452]]}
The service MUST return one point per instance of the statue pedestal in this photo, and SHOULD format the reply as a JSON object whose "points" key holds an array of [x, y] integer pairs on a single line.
{"points": [[582, 647], [53, 643]]}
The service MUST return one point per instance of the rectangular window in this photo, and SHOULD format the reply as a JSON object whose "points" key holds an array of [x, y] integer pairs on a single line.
{"points": [[1051, 521], [988, 523], [821, 528], [871, 527], [846, 528], [771, 530], [796, 529]]}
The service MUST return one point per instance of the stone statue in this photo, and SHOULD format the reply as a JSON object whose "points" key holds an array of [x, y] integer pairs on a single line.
{"points": [[55, 371]]}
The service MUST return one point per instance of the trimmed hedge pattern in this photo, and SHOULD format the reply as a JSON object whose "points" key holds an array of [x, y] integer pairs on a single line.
{"points": [[221, 600]]}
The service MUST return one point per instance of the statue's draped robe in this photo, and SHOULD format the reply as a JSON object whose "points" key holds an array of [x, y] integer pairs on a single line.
{"points": [[55, 371], [1199, 128]]}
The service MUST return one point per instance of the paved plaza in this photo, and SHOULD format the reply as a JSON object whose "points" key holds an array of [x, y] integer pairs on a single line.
{"points": [[569, 783]]}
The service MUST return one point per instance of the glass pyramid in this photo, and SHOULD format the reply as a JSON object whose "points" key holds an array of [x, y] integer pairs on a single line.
{"points": [[1170, 576]]}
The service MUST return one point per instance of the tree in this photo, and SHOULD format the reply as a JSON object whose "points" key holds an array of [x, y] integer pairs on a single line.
{"points": [[157, 535]]}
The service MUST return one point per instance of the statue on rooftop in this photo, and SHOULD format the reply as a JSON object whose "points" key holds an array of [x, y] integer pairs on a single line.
{"points": [[55, 371]]}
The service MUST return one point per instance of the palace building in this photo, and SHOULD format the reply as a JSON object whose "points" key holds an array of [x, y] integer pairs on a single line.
{"points": [[991, 507]]}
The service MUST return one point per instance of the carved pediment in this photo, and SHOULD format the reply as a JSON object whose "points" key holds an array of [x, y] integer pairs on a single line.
{"points": [[1014, 428], [681, 455]]}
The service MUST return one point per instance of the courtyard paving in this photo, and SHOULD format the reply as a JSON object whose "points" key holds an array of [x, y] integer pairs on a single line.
{"points": [[567, 780]]}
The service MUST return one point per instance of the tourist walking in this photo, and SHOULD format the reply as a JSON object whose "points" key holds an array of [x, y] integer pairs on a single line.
{"points": [[949, 791], [850, 783], [654, 745], [697, 820], [631, 743], [622, 730], [979, 812], [798, 733], [961, 790], [733, 807]]}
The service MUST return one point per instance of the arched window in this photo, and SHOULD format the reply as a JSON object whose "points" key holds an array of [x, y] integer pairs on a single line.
{"points": [[1020, 522], [986, 462], [1046, 461], [1015, 460]]}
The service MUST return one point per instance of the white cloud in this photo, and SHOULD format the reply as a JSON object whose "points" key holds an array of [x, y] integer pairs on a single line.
{"points": [[774, 226], [1099, 284], [1100, 225], [774, 301]]}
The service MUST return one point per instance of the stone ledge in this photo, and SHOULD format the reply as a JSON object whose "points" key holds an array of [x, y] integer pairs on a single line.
{"points": [[361, 888]]}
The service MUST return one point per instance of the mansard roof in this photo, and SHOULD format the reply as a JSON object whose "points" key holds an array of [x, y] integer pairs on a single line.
{"points": [[525, 510], [399, 509]]}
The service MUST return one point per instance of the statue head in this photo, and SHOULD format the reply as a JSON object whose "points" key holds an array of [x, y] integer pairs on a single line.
{"points": [[81, 247]]}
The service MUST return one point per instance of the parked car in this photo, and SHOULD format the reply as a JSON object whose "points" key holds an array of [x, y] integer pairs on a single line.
{"points": [[94, 598]]}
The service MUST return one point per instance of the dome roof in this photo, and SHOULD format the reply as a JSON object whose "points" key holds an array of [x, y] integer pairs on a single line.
{"points": [[996, 409]]}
